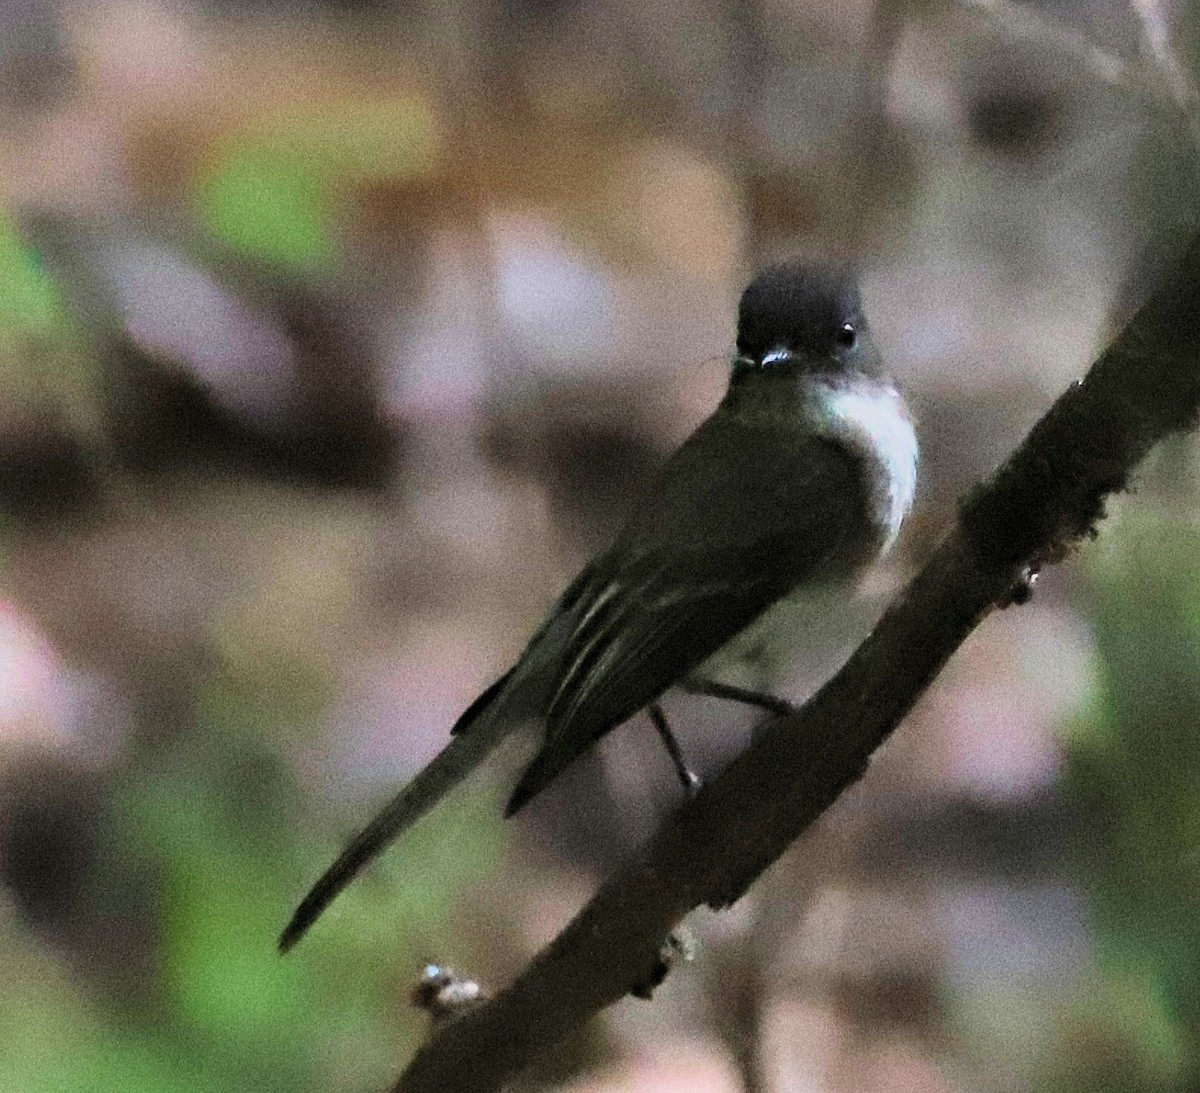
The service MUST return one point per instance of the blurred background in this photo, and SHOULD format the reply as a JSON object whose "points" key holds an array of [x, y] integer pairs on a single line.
{"points": [[335, 335]]}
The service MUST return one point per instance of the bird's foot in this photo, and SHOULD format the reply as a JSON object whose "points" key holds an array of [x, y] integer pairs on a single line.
{"points": [[688, 778]]}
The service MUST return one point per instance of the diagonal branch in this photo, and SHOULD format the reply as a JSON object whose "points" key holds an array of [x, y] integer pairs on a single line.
{"points": [[1034, 511]]}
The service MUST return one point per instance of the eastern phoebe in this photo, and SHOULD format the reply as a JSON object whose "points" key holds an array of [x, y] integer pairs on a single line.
{"points": [[801, 477]]}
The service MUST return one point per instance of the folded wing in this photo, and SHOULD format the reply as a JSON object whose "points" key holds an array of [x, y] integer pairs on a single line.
{"points": [[693, 568]]}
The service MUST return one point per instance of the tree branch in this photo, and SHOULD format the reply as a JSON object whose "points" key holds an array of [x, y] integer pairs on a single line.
{"points": [[1034, 511]]}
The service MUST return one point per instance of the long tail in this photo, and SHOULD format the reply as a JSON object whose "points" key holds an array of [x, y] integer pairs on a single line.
{"points": [[452, 764]]}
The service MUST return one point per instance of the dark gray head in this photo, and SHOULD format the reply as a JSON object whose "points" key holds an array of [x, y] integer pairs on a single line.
{"points": [[800, 316]]}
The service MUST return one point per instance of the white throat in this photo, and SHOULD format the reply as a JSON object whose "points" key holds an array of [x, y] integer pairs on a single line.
{"points": [[871, 419]]}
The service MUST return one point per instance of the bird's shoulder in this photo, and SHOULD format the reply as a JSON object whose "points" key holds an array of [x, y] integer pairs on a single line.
{"points": [[737, 480]]}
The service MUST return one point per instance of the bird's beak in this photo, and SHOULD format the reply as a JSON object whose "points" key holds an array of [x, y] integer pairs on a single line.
{"points": [[776, 356]]}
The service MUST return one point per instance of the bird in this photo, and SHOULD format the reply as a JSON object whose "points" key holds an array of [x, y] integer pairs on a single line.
{"points": [[799, 480]]}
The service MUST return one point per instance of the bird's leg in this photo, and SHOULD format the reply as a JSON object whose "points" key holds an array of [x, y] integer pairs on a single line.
{"points": [[697, 686], [687, 777]]}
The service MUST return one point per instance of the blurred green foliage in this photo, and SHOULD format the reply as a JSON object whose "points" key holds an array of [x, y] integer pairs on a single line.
{"points": [[29, 300], [47, 371], [216, 819], [271, 191], [1132, 772]]}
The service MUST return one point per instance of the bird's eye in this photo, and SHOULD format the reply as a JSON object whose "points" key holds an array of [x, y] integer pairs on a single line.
{"points": [[847, 337]]}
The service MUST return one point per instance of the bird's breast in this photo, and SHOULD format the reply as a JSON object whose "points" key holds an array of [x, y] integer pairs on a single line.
{"points": [[869, 418]]}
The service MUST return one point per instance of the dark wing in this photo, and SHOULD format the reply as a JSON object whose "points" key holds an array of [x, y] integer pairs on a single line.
{"points": [[740, 515]]}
